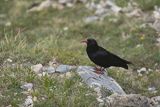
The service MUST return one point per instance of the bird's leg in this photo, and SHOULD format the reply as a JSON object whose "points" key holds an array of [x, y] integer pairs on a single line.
{"points": [[102, 69], [99, 70]]}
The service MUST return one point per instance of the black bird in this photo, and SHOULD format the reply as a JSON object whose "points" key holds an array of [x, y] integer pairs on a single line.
{"points": [[102, 57]]}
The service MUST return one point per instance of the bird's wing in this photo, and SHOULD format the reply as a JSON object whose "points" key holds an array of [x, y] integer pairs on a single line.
{"points": [[100, 57], [111, 58]]}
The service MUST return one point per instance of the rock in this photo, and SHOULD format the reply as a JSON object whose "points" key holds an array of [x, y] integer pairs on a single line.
{"points": [[158, 42], [156, 25], [158, 39], [95, 80], [64, 68], [34, 98], [8, 24], [135, 13], [152, 89], [65, 28], [156, 12], [49, 69], [132, 10], [64, 1], [102, 9], [68, 75], [27, 86], [91, 19], [142, 71], [156, 101], [70, 3], [130, 100], [9, 106], [28, 102], [110, 4], [53, 62], [37, 68], [156, 19], [8, 60], [40, 6]]}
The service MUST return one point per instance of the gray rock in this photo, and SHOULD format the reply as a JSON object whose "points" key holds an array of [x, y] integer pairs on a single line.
{"points": [[91, 19], [64, 68], [152, 89], [37, 68], [28, 102], [41, 6], [95, 80], [156, 101], [102, 9], [27, 86], [49, 69], [130, 100], [142, 71]]}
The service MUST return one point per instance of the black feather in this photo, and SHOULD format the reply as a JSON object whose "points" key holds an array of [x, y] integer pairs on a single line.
{"points": [[104, 58]]}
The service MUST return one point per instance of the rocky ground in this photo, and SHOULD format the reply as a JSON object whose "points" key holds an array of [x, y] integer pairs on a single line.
{"points": [[44, 32]]}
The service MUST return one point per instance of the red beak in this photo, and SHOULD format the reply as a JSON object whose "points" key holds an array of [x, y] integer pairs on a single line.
{"points": [[84, 41]]}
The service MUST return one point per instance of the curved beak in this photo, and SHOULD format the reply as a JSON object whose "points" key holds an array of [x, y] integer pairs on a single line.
{"points": [[84, 41]]}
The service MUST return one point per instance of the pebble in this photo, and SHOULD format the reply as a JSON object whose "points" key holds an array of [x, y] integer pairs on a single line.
{"points": [[27, 86], [37, 68], [28, 102]]}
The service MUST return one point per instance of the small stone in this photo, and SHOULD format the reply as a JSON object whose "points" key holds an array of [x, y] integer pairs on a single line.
{"points": [[9, 60], [25, 92], [68, 74], [69, 5], [15, 94], [156, 100], [27, 86], [156, 13], [158, 40], [100, 100], [34, 98], [143, 70], [91, 19], [43, 98], [8, 24], [28, 102], [9, 106], [40, 74], [53, 62], [50, 70], [80, 84], [37, 68], [150, 70], [65, 28], [152, 89], [41, 6], [44, 73], [139, 46], [95, 84], [62, 75], [64, 68]]}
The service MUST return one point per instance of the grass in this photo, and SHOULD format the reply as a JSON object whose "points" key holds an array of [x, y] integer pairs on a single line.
{"points": [[39, 36]]}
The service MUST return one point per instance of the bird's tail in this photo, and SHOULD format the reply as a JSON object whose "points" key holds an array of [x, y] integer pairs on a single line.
{"points": [[124, 65], [127, 62]]}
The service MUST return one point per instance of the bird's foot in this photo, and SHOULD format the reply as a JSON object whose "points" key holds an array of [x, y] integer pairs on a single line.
{"points": [[99, 70]]}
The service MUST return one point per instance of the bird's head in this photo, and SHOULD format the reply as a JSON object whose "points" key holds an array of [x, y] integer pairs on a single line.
{"points": [[90, 42]]}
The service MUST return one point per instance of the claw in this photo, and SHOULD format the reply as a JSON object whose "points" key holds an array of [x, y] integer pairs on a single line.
{"points": [[99, 70]]}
